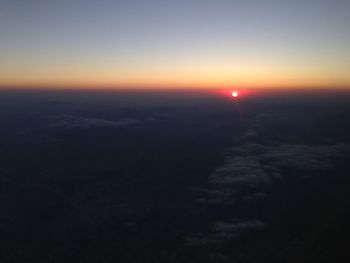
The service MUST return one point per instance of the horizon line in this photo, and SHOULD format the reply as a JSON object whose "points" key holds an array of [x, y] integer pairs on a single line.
{"points": [[97, 87]]}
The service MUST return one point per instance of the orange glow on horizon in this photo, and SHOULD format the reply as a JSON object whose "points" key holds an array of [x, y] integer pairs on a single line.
{"points": [[244, 89], [196, 73]]}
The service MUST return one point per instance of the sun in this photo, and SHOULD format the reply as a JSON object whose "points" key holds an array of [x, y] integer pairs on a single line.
{"points": [[234, 94]]}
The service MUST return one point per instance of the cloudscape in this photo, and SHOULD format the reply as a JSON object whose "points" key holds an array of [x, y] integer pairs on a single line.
{"points": [[182, 131]]}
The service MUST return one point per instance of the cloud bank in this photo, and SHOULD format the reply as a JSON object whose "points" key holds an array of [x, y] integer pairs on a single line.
{"points": [[69, 122]]}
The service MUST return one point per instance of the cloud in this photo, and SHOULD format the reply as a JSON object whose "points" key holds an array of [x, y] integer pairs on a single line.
{"points": [[251, 165], [222, 231], [305, 157], [201, 241], [255, 164], [214, 196], [255, 124], [240, 169], [209, 200], [70, 122]]}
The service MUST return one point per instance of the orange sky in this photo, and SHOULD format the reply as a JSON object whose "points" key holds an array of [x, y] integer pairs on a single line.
{"points": [[175, 44]]}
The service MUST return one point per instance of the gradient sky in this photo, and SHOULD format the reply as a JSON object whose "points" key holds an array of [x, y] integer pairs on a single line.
{"points": [[177, 43]]}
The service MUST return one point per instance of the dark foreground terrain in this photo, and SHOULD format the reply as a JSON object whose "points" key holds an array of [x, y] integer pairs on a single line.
{"points": [[174, 177]]}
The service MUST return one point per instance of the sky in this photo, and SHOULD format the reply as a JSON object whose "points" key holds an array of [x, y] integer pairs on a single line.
{"points": [[169, 44]]}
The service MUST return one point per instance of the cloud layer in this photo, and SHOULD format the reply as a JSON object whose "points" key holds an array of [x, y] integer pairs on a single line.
{"points": [[221, 231], [253, 163], [250, 166], [69, 122]]}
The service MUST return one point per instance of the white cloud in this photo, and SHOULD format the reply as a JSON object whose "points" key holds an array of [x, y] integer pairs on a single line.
{"points": [[257, 164], [222, 231], [82, 122]]}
